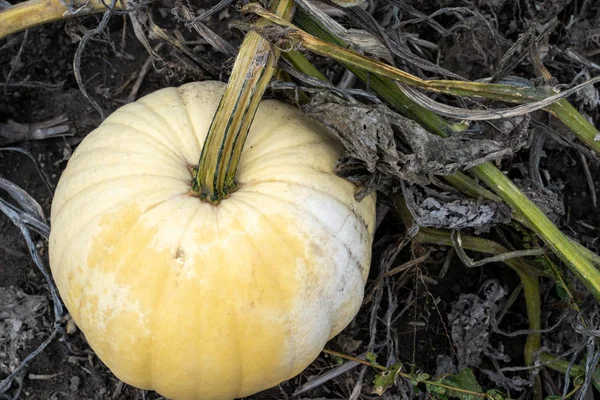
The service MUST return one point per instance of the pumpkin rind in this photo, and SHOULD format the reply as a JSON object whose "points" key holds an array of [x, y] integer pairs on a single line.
{"points": [[198, 301]]}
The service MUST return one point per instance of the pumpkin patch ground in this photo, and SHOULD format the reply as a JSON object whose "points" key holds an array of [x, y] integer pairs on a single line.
{"points": [[451, 330]]}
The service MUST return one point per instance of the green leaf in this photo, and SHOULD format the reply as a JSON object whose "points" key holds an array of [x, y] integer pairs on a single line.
{"points": [[465, 381], [386, 379], [562, 291], [436, 390], [337, 360], [596, 378], [371, 357], [418, 378]]}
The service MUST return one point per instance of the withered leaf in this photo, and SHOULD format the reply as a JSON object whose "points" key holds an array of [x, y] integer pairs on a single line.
{"points": [[431, 209], [384, 148], [369, 134]]}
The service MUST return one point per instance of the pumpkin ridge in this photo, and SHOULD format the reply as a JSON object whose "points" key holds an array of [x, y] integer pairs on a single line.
{"points": [[90, 272], [136, 175], [103, 212], [237, 341], [95, 186], [275, 161], [253, 183], [262, 256], [260, 131], [188, 226], [316, 189], [169, 123], [278, 151], [155, 324], [176, 163], [218, 210], [156, 139], [357, 262], [234, 307], [181, 91], [84, 171], [192, 132], [327, 194], [313, 215]]}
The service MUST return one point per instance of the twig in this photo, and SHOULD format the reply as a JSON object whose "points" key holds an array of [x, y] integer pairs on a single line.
{"points": [[14, 63], [314, 382], [590, 180], [12, 131], [77, 59], [35, 85], [446, 264], [509, 303], [580, 59], [377, 282], [5, 384], [213, 10], [156, 32], [211, 37], [535, 154], [457, 242], [39, 170], [30, 216], [142, 75]]}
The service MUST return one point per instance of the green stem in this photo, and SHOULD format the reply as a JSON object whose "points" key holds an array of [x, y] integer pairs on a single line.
{"points": [[384, 87], [252, 72], [553, 362], [581, 127], [501, 92], [468, 186], [301, 63], [542, 226]]}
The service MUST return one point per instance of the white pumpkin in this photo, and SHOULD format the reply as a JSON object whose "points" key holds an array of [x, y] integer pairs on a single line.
{"points": [[198, 301]]}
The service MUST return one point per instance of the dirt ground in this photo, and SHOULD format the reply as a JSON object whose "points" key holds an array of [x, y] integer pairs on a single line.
{"points": [[37, 83]]}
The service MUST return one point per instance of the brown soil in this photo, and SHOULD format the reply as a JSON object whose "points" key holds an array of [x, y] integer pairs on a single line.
{"points": [[37, 83]]}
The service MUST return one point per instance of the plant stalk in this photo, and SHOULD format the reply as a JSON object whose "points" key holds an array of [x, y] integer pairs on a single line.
{"points": [[573, 257], [252, 72], [519, 94], [29, 14], [553, 362]]}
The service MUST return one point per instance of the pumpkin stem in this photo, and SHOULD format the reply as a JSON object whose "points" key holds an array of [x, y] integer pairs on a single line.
{"points": [[252, 72]]}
